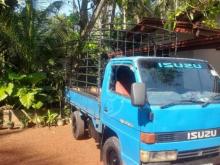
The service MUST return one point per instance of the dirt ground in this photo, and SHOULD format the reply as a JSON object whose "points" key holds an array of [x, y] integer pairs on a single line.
{"points": [[44, 146]]}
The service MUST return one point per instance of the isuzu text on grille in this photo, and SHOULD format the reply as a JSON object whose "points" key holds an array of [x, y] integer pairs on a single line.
{"points": [[201, 134]]}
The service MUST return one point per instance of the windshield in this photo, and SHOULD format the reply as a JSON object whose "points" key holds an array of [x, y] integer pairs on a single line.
{"points": [[172, 80]]}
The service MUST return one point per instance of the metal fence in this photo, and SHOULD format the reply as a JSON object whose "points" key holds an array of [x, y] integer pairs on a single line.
{"points": [[86, 62]]}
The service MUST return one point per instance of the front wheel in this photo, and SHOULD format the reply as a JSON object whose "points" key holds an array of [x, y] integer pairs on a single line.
{"points": [[111, 152]]}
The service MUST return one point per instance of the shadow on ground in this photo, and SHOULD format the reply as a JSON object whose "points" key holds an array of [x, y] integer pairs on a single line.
{"points": [[4, 132]]}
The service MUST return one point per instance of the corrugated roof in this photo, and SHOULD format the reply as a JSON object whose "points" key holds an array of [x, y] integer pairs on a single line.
{"points": [[150, 24], [202, 37]]}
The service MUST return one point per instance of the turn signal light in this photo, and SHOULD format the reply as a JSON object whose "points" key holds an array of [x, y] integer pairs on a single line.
{"points": [[148, 138]]}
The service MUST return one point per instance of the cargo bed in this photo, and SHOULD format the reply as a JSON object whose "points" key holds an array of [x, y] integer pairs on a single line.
{"points": [[85, 101]]}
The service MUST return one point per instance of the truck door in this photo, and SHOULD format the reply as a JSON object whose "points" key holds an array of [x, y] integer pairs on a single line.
{"points": [[118, 112]]}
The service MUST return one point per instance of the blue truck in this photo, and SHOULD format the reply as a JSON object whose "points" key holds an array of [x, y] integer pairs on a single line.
{"points": [[143, 104], [152, 110]]}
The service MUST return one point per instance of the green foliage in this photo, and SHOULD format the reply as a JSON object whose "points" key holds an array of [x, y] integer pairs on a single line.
{"points": [[67, 111], [51, 118], [37, 104], [23, 87], [30, 50], [31, 35], [31, 78], [35, 78], [2, 3], [15, 76], [92, 47], [6, 90], [205, 11], [1, 121], [27, 97], [134, 11]]}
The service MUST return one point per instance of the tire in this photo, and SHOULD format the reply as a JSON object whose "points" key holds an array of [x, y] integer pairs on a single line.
{"points": [[111, 152], [78, 125]]}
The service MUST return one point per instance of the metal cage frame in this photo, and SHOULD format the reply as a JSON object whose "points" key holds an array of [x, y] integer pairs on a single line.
{"points": [[85, 73]]}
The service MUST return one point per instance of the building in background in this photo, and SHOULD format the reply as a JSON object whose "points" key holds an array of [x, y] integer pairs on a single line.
{"points": [[194, 39]]}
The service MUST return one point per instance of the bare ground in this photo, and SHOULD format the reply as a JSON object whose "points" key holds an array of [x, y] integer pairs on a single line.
{"points": [[45, 146]]}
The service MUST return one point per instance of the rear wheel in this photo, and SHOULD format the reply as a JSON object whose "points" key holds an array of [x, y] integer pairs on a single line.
{"points": [[111, 152], [78, 125]]}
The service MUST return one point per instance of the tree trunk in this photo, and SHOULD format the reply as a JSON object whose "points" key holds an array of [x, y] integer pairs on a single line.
{"points": [[92, 22], [83, 15], [124, 19], [124, 14], [112, 15]]}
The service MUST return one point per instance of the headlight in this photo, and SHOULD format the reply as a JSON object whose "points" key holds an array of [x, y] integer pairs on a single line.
{"points": [[163, 156]]}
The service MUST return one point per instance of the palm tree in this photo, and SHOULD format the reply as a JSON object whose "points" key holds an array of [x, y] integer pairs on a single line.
{"points": [[26, 33]]}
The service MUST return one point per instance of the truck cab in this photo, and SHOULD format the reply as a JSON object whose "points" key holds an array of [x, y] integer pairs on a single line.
{"points": [[155, 110], [179, 118]]}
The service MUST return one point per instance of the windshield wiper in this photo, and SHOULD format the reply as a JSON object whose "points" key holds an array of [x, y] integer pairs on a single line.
{"points": [[181, 102], [211, 99]]}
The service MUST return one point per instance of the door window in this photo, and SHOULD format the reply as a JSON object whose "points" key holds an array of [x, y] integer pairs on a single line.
{"points": [[122, 78]]}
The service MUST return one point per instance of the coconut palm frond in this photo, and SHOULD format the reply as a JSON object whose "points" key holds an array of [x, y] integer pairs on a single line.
{"points": [[29, 34]]}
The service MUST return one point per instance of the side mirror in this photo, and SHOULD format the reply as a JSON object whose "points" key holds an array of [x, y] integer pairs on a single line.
{"points": [[138, 94]]}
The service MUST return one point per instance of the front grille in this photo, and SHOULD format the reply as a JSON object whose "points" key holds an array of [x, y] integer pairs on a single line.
{"points": [[199, 153], [171, 137], [183, 136]]}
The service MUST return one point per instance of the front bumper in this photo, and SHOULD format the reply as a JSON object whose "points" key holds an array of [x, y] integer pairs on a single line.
{"points": [[215, 160]]}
